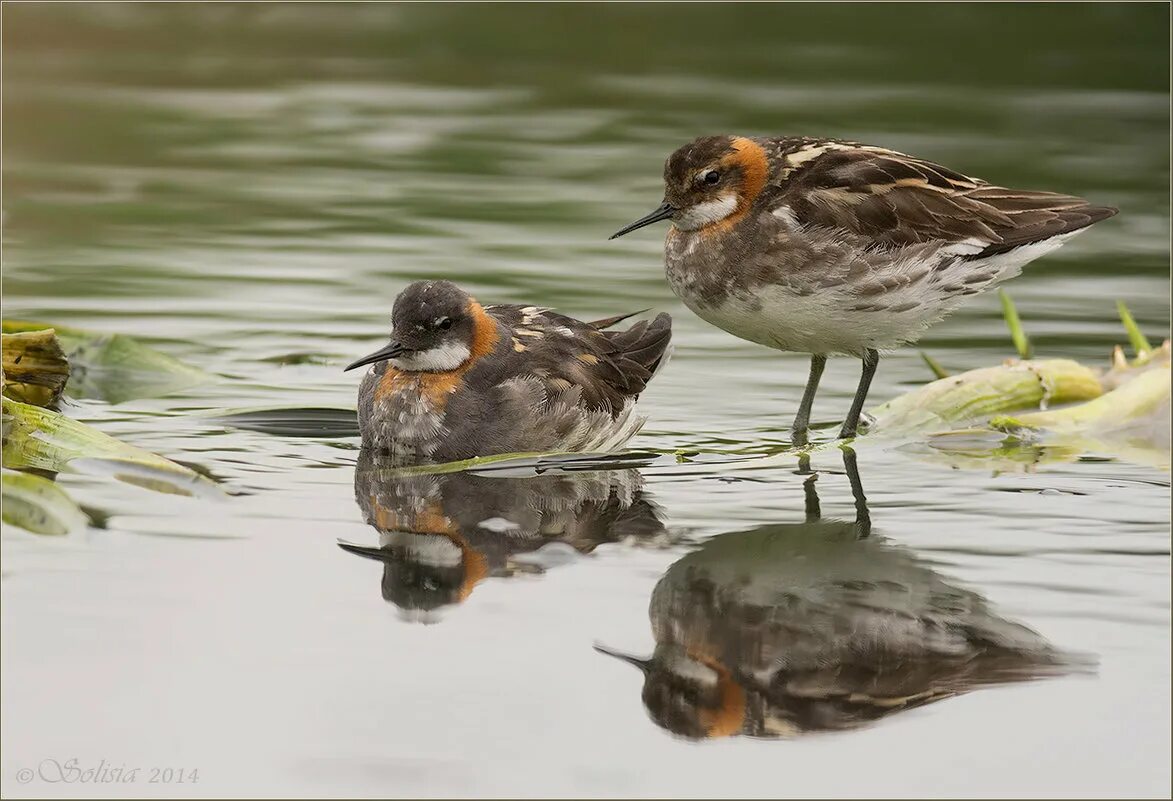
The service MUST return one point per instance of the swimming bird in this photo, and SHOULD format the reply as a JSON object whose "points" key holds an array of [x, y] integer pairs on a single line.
{"points": [[825, 247], [441, 534], [459, 379]]}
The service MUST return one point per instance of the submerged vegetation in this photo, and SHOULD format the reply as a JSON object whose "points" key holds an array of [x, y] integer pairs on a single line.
{"points": [[40, 363], [110, 367], [35, 368], [1057, 404]]}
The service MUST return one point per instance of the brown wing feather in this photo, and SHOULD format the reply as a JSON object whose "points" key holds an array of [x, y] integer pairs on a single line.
{"points": [[607, 322], [896, 200], [606, 368], [638, 351]]}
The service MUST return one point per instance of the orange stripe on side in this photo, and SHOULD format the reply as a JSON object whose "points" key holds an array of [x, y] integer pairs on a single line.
{"points": [[439, 386], [485, 335], [476, 568], [728, 718], [750, 157]]}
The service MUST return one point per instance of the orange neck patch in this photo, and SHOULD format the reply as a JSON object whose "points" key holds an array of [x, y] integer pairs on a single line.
{"points": [[433, 521], [727, 719], [750, 158], [430, 520], [476, 567], [436, 387]]}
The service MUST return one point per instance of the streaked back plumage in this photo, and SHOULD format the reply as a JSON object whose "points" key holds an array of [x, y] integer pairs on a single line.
{"points": [[897, 200]]}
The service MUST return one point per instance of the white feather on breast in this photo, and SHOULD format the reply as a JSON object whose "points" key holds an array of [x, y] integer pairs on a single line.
{"points": [[407, 424]]}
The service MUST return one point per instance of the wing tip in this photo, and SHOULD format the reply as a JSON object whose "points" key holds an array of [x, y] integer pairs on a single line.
{"points": [[607, 322], [1099, 213]]}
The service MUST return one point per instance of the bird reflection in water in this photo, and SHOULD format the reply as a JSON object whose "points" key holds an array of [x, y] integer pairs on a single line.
{"points": [[821, 625], [440, 534]]}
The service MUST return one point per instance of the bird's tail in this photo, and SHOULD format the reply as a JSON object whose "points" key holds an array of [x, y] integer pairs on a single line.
{"points": [[642, 349]]}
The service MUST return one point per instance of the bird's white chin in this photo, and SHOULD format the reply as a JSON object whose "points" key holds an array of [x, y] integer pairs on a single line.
{"points": [[707, 213], [440, 359], [695, 672]]}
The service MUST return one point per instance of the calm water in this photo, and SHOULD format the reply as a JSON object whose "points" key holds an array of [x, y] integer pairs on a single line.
{"points": [[247, 188]]}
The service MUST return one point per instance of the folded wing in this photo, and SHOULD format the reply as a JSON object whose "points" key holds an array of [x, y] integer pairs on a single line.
{"points": [[897, 200]]}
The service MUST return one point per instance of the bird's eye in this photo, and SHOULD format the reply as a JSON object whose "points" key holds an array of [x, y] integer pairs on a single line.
{"points": [[444, 324], [711, 177]]}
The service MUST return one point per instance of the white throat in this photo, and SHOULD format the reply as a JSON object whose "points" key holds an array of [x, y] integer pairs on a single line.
{"points": [[706, 213], [434, 550], [691, 670], [440, 359]]}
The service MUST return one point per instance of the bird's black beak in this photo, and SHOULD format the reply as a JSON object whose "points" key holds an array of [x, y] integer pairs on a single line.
{"points": [[643, 664], [392, 350], [380, 554], [663, 213]]}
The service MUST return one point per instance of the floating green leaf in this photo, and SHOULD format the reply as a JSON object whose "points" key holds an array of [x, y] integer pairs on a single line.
{"points": [[38, 505], [114, 367], [1131, 422], [45, 440], [1143, 400], [974, 395]]}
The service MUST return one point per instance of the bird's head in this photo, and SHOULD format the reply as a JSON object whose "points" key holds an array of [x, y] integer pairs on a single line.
{"points": [[435, 328], [712, 180], [689, 695]]}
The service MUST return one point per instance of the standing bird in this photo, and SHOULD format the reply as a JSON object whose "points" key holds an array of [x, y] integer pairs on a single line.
{"points": [[459, 379], [828, 247], [821, 625]]}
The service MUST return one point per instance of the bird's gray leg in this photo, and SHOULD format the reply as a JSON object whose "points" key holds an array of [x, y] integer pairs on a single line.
{"points": [[813, 512], [803, 418], [871, 358], [863, 520]]}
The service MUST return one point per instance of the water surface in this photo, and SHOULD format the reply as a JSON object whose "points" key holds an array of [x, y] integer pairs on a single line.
{"points": [[248, 187]]}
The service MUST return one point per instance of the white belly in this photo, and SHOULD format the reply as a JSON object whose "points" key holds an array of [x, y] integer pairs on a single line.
{"points": [[839, 318], [817, 323]]}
